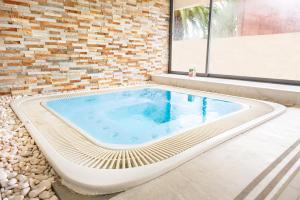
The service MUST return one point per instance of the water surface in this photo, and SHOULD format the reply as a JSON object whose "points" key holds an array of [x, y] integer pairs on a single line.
{"points": [[139, 116]]}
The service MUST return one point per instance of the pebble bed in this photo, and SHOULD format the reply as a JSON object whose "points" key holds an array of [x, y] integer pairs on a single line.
{"points": [[24, 171]]}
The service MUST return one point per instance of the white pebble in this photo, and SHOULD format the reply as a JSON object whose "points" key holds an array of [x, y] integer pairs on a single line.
{"points": [[22, 178], [45, 195], [12, 181], [3, 175], [25, 191], [12, 175], [17, 197], [23, 168], [44, 185], [23, 185], [54, 197]]}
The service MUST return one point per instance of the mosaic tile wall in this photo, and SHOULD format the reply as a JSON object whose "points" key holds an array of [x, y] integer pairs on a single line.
{"points": [[57, 45]]}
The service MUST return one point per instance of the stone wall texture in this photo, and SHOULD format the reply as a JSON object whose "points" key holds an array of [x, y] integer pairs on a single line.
{"points": [[60, 45]]}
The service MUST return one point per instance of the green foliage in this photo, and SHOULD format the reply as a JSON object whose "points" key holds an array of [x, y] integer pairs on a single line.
{"points": [[191, 22], [225, 18]]}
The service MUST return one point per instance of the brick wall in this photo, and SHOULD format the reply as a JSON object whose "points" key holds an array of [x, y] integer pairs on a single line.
{"points": [[56, 45]]}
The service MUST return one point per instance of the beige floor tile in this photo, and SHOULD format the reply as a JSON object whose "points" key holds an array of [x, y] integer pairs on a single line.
{"points": [[295, 183], [222, 172], [290, 194]]}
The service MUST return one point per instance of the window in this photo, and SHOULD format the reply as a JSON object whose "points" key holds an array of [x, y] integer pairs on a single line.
{"points": [[248, 38], [190, 30], [256, 38]]}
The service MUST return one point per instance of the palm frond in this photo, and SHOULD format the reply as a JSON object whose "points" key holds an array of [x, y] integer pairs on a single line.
{"points": [[191, 22]]}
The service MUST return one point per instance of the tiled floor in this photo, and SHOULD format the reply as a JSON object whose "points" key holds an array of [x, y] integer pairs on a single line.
{"points": [[292, 191], [223, 172]]}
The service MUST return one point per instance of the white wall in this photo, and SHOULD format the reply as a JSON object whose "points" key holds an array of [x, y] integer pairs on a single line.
{"points": [[269, 56], [189, 54]]}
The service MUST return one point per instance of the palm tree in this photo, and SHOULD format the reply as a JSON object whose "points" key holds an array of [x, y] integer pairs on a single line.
{"points": [[225, 18], [191, 22]]}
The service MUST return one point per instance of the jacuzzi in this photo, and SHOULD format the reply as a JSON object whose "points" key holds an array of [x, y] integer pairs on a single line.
{"points": [[109, 140]]}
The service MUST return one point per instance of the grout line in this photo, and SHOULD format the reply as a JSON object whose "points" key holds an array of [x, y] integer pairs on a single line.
{"points": [[278, 177], [246, 191], [284, 183]]}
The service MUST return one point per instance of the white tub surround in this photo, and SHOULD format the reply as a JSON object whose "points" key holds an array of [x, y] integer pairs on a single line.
{"points": [[89, 168]]}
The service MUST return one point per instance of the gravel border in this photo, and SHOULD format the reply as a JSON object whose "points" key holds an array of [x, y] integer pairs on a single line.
{"points": [[24, 171]]}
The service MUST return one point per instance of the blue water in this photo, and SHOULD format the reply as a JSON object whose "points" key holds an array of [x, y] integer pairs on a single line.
{"points": [[139, 116]]}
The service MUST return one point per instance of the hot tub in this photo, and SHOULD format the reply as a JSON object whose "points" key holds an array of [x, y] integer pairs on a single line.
{"points": [[107, 141]]}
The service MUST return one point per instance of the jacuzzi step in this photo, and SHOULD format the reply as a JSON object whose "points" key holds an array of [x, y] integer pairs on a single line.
{"points": [[270, 182], [283, 183]]}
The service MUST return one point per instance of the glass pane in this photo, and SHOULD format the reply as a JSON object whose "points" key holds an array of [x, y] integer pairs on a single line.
{"points": [[256, 38], [190, 29]]}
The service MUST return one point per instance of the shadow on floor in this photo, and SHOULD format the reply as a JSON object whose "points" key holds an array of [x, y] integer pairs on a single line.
{"points": [[64, 193]]}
